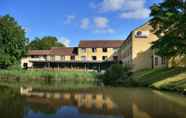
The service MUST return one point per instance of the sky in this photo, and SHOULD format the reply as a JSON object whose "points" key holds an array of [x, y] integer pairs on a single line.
{"points": [[74, 20]]}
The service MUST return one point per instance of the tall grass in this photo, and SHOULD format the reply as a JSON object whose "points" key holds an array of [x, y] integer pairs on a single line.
{"points": [[41, 79], [41, 74]]}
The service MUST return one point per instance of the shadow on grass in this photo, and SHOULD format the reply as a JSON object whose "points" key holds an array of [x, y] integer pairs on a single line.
{"points": [[148, 77]]}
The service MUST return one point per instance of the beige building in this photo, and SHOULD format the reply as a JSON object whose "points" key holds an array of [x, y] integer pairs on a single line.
{"points": [[137, 52], [99, 50], [90, 54]]}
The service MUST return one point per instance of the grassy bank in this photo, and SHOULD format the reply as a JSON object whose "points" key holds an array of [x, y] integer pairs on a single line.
{"points": [[49, 80], [40, 74], [173, 79]]}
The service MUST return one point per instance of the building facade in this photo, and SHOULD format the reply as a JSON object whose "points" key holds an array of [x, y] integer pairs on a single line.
{"points": [[137, 52], [90, 54]]}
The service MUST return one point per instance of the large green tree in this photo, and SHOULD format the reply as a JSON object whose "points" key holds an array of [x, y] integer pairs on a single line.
{"points": [[12, 41], [169, 22], [44, 43]]}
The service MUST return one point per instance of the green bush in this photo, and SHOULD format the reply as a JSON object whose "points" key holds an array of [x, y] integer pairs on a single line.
{"points": [[116, 75]]}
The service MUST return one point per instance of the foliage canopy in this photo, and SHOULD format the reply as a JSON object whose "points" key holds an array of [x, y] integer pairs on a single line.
{"points": [[44, 43], [169, 22], [12, 41]]}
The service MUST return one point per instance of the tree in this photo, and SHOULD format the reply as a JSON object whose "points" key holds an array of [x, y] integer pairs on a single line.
{"points": [[116, 75], [44, 43], [169, 22], [12, 41]]}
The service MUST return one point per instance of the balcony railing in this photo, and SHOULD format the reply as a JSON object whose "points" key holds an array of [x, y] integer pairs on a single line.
{"points": [[38, 59]]}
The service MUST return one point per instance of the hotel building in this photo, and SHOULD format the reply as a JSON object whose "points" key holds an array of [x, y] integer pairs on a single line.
{"points": [[135, 51], [90, 54]]}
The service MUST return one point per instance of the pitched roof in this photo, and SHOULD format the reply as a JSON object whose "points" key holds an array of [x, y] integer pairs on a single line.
{"points": [[38, 52], [63, 51], [101, 43]]}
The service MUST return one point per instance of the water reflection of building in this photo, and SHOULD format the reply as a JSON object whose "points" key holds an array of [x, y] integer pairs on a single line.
{"points": [[98, 101], [85, 102]]}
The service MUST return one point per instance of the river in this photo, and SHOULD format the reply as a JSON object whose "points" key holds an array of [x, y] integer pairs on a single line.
{"points": [[100, 103]]}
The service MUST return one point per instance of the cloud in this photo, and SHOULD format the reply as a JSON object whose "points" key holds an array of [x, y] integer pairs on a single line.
{"points": [[69, 19], [102, 25], [104, 31], [85, 23], [101, 22], [65, 41], [98, 24], [135, 14], [133, 9], [112, 5]]}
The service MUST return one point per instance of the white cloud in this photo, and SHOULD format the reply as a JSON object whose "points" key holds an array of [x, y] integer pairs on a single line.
{"points": [[104, 31], [136, 14], [85, 23], [97, 25], [133, 9], [101, 22], [102, 25], [65, 41], [69, 19], [112, 5]]}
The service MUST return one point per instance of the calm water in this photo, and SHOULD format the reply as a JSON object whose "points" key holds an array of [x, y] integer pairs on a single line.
{"points": [[106, 103]]}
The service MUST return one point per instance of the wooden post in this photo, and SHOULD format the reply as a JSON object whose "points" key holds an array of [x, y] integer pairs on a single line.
{"points": [[58, 66], [49, 65], [99, 70], [85, 67]]}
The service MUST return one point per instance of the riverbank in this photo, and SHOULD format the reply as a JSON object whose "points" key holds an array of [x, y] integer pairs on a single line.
{"points": [[42, 74], [172, 79], [47, 80]]}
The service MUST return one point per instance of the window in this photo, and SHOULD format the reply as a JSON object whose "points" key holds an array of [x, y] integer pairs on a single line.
{"points": [[93, 49], [156, 61], [83, 50], [163, 60], [104, 49], [83, 58], [104, 57], [62, 58], [72, 58], [115, 58], [94, 58], [52, 58]]}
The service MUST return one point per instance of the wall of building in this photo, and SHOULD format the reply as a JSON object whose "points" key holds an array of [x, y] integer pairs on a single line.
{"points": [[88, 54], [142, 54], [137, 50], [125, 52]]}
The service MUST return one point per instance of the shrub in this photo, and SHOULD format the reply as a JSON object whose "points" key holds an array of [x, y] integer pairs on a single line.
{"points": [[116, 75]]}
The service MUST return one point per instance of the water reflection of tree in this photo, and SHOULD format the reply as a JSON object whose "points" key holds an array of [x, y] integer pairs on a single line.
{"points": [[11, 104], [155, 106]]}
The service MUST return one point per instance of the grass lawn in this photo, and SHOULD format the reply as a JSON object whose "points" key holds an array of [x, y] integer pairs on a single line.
{"points": [[173, 79]]}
